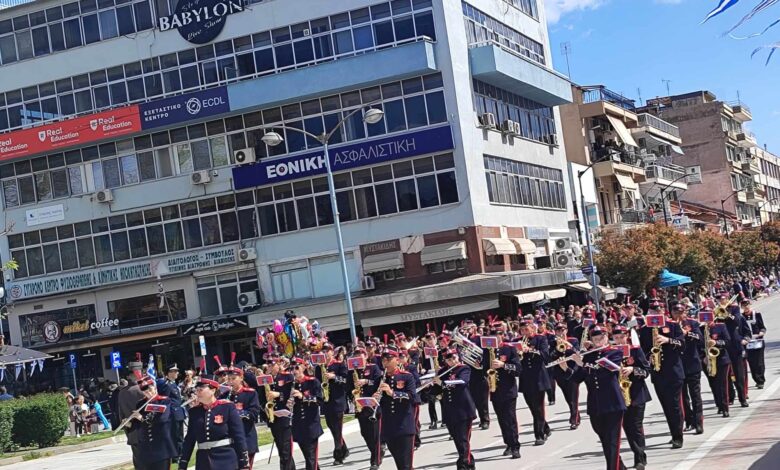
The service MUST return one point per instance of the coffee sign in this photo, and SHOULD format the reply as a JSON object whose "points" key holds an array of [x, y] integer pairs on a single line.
{"points": [[200, 21]]}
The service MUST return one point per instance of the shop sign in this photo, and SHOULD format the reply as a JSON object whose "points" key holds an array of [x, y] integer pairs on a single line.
{"points": [[183, 108], [45, 215], [122, 273], [344, 157], [381, 247], [213, 326], [537, 233], [78, 131], [200, 21]]}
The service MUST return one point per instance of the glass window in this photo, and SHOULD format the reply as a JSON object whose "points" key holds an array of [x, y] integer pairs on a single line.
{"points": [[406, 194], [108, 28], [43, 186], [103, 253], [363, 37], [426, 188], [184, 158], [174, 240], [229, 227], [192, 235], [386, 200], [125, 20], [34, 261], [24, 45], [120, 246], [70, 258], [138, 247], [40, 38], [156, 238], [211, 232], [51, 258], [267, 216], [448, 188], [394, 116], [415, 111], [130, 173]]}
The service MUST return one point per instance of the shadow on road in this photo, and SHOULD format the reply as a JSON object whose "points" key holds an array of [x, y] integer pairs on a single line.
{"points": [[769, 461]]}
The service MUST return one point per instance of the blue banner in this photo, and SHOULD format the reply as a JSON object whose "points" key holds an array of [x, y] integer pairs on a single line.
{"points": [[183, 108], [344, 157]]}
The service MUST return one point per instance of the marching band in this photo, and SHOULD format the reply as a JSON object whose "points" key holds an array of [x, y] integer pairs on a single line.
{"points": [[462, 371]]}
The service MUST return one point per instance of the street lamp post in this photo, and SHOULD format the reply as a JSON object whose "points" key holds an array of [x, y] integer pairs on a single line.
{"points": [[723, 210], [580, 174], [272, 138], [663, 201]]}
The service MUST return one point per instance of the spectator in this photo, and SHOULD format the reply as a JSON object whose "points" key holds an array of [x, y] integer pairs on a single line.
{"points": [[78, 413], [4, 394]]}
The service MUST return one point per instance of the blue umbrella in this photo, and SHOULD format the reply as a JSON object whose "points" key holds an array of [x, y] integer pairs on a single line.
{"points": [[667, 279]]}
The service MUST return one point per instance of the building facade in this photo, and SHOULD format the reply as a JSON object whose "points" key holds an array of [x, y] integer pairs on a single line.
{"points": [[719, 153], [146, 211]]}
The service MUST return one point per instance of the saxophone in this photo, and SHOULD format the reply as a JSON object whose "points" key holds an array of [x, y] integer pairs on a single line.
{"points": [[625, 387], [357, 391], [656, 352], [712, 353], [325, 383], [269, 404], [492, 374], [583, 338]]}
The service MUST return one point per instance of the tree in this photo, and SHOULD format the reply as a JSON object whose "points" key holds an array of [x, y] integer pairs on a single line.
{"points": [[753, 251], [771, 231], [628, 259], [720, 249]]}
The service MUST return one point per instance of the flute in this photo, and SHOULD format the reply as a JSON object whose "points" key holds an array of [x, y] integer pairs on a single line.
{"points": [[566, 358]]}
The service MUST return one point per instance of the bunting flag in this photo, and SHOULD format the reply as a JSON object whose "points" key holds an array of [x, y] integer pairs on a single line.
{"points": [[150, 367], [32, 368], [723, 5], [763, 5], [40, 365], [18, 370], [2, 374], [773, 48]]}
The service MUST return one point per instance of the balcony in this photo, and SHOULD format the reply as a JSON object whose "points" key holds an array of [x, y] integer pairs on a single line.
{"points": [[747, 140], [614, 160], [600, 101], [655, 125], [397, 63], [751, 166], [494, 64], [625, 219], [592, 94], [13, 3], [672, 176], [741, 111]]}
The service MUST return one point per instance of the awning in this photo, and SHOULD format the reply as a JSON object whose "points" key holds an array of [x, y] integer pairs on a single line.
{"points": [[536, 296], [444, 308], [443, 252], [12, 355], [626, 182], [606, 292], [524, 246], [383, 262], [677, 149], [622, 131], [498, 246]]}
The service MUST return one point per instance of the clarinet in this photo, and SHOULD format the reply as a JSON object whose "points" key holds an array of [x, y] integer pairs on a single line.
{"points": [[377, 397]]}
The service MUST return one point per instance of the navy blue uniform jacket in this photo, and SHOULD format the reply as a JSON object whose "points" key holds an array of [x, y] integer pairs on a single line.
{"points": [[306, 425], [398, 411], [506, 389], [639, 392], [155, 432], [604, 394], [215, 423], [337, 387], [248, 406], [456, 402], [671, 352], [535, 377]]}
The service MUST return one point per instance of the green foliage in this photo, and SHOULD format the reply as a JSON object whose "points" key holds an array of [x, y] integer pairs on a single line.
{"points": [[40, 420], [6, 426]]}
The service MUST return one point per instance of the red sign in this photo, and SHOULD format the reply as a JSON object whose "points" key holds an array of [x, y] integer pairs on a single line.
{"points": [[79, 131]]}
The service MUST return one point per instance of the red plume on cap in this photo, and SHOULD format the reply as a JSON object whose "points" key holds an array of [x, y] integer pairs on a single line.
{"points": [[653, 293], [385, 335], [428, 327], [138, 357], [137, 374], [232, 358], [216, 358], [202, 364]]}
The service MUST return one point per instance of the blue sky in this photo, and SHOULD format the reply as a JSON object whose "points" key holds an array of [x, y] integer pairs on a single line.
{"points": [[635, 44]]}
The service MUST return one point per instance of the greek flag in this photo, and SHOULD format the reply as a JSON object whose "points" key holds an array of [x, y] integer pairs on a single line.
{"points": [[150, 367]]}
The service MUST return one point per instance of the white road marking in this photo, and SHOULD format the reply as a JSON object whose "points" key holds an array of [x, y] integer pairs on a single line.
{"points": [[694, 457]]}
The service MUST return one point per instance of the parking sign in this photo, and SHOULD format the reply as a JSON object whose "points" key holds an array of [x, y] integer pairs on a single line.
{"points": [[72, 358], [116, 360]]}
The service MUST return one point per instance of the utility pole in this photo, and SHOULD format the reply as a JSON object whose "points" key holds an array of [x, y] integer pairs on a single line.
{"points": [[566, 50], [639, 93]]}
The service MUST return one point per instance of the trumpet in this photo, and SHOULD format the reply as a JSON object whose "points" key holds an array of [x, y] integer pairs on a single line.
{"points": [[712, 354], [269, 404], [492, 374], [357, 391], [561, 345], [721, 311], [656, 352], [325, 383]]}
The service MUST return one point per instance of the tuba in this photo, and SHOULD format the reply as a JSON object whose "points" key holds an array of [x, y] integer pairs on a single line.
{"points": [[472, 354]]}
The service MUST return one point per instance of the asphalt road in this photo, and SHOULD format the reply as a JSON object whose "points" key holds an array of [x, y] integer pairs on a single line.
{"points": [[749, 439]]}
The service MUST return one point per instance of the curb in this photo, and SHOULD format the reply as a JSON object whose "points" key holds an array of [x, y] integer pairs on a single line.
{"points": [[53, 451]]}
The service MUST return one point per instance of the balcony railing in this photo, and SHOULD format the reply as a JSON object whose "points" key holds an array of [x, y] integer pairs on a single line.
{"points": [[646, 119], [618, 155], [670, 173], [739, 104], [13, 3], [593, 94]]}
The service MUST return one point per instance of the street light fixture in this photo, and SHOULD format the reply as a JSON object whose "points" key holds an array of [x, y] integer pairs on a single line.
{"points": [[723, 209], [663, 201], [587, 228], [273, 138]]}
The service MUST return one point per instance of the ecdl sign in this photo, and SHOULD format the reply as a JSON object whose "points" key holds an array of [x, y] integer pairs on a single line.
{"points": [[200, 21], [186, 107], [344, 157]]}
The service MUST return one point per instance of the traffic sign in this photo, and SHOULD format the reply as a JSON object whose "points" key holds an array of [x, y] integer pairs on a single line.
{"points": [[116, 360], [589, 269], [72, 359], [595, 293], [594, 279], [202, 341]]}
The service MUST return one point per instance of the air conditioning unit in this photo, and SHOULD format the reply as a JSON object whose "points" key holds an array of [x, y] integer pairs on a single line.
{"points": [[247, 299], [201, 177], [508, 127], [368, 283], [599, 184], [562, 244], [563, 259], [105, 195], [247, 254], [518, 130], [554, 139], [487, 121], [244, 156]]}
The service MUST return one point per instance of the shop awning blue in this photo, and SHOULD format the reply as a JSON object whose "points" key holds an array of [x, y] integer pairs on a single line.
{"points": [[667, 279]]}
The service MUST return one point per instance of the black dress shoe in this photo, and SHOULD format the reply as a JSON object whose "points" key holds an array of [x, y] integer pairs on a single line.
{"points": [[759, 386], [639, 466], [507, 452], [373, 467], [744, 404], [434, 425], [547, 434], [688, 427], [346, 454], [515, 453], [725, 414], [572, 427], [550, 403], [338, 462], [699, 429], [677, 444], [484, 426], [539, 442]]}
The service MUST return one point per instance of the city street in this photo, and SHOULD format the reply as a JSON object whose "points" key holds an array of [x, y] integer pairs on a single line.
{"points": [[748, 439]]}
